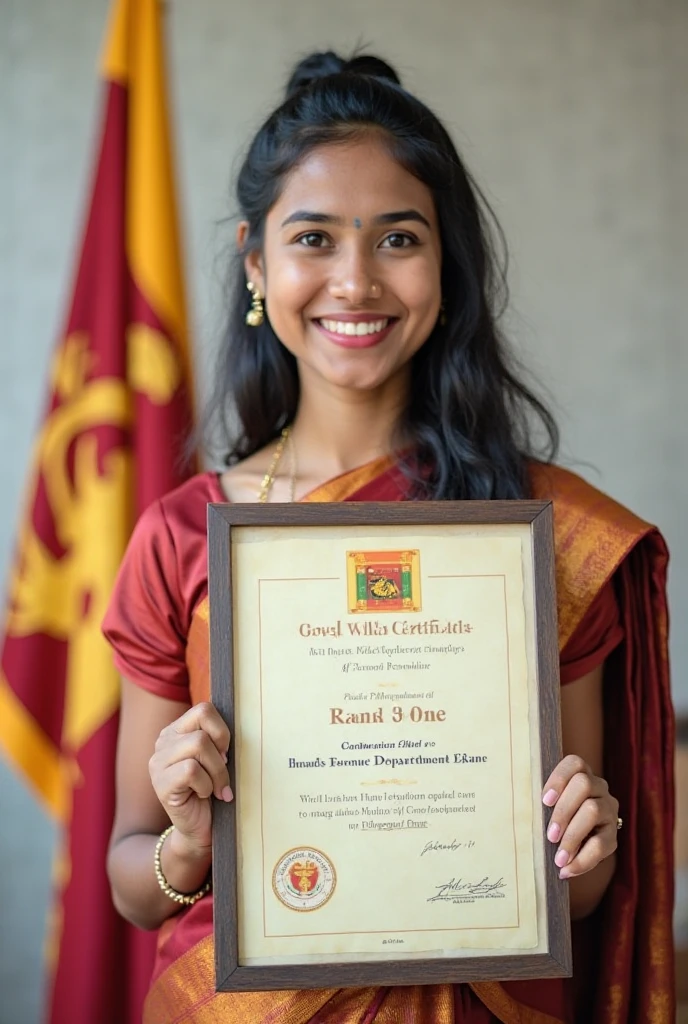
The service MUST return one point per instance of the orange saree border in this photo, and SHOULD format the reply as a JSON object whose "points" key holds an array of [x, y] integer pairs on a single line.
{"points": [[593, 536], [341, 487], [187, 993]]}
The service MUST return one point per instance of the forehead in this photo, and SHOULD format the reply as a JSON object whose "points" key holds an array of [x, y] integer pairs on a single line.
{"points": [[353, 179]]}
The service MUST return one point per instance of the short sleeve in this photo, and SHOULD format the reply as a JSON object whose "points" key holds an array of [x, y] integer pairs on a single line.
{"points": [[598, 634], [144, 620]]}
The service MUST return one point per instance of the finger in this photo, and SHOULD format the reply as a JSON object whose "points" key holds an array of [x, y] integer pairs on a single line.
{"points": [[571, 765], [183, 779], [594, 850], [588, 818], [198, 745], [202, 716], [579, 789]]}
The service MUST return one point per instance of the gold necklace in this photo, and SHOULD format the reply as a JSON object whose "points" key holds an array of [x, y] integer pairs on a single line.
{"points": [[269, 478]]}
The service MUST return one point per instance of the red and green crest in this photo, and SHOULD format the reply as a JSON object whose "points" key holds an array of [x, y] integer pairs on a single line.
{"points": [[383, 581]]}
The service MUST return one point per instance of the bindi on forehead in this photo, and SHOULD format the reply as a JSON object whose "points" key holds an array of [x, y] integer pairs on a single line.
{"points": [[358, 223]]}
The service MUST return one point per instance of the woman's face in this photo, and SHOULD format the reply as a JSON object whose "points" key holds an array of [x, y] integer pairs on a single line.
{"points": [[350, 267]]}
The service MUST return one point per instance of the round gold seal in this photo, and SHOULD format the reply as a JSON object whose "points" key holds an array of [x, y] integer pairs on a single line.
{"points": [[304, 879]]}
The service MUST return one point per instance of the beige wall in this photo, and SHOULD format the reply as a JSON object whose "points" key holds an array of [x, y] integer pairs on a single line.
{"points": [[572, 117]]}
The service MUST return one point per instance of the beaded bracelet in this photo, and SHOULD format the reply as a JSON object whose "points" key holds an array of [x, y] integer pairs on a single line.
{"points": [[186, 898]]}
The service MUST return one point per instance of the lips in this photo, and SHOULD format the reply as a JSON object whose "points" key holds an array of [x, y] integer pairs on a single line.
{"points": [[359, 328], [356, 333]]}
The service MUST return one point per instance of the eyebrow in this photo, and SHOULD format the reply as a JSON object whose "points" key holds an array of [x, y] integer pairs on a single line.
{"points": [[311, 217]]}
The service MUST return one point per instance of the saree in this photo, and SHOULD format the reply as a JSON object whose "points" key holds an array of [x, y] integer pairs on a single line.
{"points": [[623, 953]]}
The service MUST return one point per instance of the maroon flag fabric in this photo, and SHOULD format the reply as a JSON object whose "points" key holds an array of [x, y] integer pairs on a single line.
{"points": [[119, 412]]}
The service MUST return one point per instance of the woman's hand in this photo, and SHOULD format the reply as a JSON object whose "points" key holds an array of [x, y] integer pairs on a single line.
{"points": [[188, 766], [584, 819]]}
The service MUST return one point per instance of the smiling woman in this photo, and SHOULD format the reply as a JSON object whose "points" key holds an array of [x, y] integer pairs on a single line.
{"points": [[357, 211], [367, 364]]}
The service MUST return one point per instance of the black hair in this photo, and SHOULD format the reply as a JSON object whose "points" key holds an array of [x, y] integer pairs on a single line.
{"points": [[469, 416]]}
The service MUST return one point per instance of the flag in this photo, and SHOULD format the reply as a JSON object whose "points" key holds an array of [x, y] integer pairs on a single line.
{"points": [[119, 410]]}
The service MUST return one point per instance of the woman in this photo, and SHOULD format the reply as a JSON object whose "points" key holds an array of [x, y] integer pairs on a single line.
{"points": [[366, 365]]}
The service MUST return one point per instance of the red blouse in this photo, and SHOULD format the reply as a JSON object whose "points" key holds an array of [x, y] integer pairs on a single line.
{"points": [[164, 577]]}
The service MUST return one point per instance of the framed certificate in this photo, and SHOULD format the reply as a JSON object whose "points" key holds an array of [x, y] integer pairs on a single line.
{"points": [[390, 676]]}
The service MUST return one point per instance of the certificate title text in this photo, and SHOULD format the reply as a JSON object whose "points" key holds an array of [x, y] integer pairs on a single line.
{"points": [[375, 627]]}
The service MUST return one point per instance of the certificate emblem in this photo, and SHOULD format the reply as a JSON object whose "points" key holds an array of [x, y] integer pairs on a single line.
{"points": [[304, 879], [383, 581]]}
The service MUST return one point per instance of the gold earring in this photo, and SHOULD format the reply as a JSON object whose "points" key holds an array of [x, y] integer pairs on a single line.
{"points": [[256, 314]]}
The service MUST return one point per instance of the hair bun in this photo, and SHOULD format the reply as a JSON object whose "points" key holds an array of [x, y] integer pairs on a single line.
{"points": [[367, 64], [321, 65]]}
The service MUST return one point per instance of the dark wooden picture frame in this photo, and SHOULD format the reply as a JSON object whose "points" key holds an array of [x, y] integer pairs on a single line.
{"points": [[230, 974]]}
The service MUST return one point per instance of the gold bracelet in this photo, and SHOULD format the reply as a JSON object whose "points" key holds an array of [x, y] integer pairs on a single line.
{"points": [[186, 898]]}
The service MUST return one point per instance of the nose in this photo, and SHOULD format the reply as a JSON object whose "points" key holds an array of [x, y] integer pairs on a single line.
{"points": [[352, 277]]}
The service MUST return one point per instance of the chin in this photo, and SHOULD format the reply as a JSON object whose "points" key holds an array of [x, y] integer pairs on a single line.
{"points": [[358, 381], [357, 374]]}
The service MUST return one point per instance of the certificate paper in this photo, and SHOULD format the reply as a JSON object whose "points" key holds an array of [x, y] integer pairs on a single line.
{"points": [[386, 745]]}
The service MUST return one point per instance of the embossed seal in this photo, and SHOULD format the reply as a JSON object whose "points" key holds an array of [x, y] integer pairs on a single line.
{"points": [[304, 879]]}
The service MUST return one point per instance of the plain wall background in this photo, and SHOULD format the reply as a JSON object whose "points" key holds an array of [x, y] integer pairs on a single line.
{"points": [[573, 119]]}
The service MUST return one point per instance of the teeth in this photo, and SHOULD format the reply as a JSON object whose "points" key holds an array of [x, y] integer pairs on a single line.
{"points": [[348, 328]]}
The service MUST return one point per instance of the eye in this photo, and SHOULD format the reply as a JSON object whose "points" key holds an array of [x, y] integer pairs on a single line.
{"points": [[399, 240], [313, 240]]}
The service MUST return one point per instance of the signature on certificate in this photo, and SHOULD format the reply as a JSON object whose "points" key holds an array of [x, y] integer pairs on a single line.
{"points": [[459, 889], [435, 846]]}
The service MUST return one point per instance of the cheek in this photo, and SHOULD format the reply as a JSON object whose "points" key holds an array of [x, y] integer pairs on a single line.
{"points": [[419, 286], [290, 284]]}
